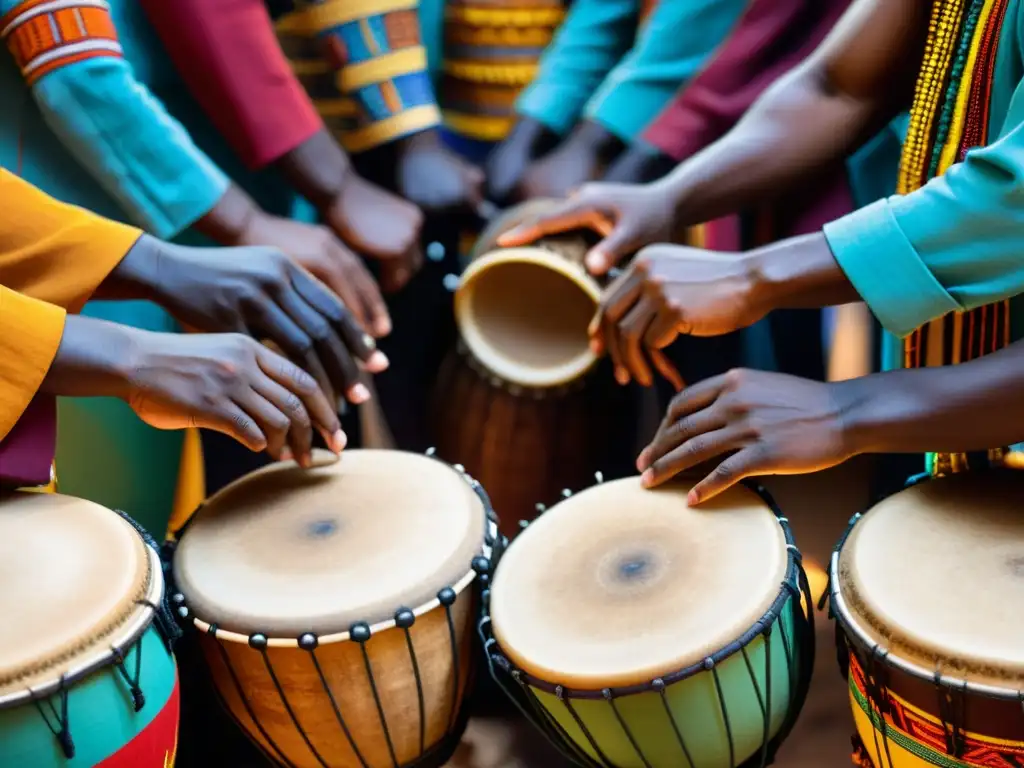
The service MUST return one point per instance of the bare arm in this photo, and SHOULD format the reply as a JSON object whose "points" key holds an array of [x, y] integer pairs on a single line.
{"points": [[860, 78]]}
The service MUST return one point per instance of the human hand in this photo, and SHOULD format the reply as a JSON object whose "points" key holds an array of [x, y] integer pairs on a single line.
{"points": [[380, 226], [762, 423], [506, 163], [234, 385], [262, 293], [317, 249], [435, 178], [666, 291], [558, 173], [626, 216], [225, 382]]}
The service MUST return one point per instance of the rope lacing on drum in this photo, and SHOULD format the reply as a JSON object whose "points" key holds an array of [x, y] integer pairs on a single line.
{"points": [[610, 698], [951, 714], [166, 625], [133, 681], [62, 730], [878, 698]]}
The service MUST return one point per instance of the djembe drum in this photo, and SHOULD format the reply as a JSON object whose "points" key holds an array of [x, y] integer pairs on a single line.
{"points": [[335, 606], [637, 632], [514, 401], [86, 675], [925, 590]]}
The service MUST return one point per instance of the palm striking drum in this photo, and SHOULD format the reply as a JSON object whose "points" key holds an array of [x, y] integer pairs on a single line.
{"points": [[925, 590], [637, 632], [336, 606], [86, 673], [513, 400]]}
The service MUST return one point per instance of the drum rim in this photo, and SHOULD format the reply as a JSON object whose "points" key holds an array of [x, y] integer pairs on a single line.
{"points": [[856, 632], [792, 588], [480, 568], [567, 373], [123, 638]]}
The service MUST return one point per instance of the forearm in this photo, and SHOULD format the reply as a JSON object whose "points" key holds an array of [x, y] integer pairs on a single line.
{"points": [[94, 359], [797, 128], [798, 273], [960, 408], [317, 168]]}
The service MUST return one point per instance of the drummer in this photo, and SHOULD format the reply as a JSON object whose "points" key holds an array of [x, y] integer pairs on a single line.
{"points": [[946, 246], [56, 257]]}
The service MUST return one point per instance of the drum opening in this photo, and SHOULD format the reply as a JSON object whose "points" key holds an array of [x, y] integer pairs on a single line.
{"points": [[525, 317]]}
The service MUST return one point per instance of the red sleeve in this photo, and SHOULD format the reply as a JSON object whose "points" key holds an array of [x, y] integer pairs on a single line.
{"points": [[772, 37], [228, 54]]}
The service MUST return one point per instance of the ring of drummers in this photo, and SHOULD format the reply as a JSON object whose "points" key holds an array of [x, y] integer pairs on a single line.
{"points": [[511, 383]]}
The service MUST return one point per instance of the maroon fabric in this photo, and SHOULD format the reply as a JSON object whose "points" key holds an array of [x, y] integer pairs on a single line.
{"points": [[26, 454], [771, 38], [228, 54]]}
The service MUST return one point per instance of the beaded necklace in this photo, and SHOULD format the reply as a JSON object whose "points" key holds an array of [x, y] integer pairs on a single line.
{"points": [[949, 117]]}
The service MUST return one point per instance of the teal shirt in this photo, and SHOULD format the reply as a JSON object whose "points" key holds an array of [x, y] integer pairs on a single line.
{"points": [[958, 242], [599, 65], [91, 133]]}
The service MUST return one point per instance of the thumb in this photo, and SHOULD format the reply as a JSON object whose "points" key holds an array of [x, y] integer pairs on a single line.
{"points": [[619, 243]]}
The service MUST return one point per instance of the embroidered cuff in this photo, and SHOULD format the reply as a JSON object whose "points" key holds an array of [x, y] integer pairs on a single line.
{"points": [[381, 70], [45, 35]]}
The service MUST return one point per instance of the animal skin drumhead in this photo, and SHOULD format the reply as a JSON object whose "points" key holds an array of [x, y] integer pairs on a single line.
{"points": [[618, 585], [935, 572], [70, 574], [285, 551]]}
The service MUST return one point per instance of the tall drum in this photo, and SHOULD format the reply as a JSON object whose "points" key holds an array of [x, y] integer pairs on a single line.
{"points": [[86, 675], [336, 606], [514, 401], [926, 589], [637, 632]]}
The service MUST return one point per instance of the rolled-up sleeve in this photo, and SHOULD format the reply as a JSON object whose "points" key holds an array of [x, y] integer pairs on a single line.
{"points": [[955, 244], [71, 58], [228, 54]]}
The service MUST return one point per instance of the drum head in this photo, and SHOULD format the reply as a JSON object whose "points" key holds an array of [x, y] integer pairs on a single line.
{"points": [[619, 585], [285, 551], [71, 573], [933, 574]]}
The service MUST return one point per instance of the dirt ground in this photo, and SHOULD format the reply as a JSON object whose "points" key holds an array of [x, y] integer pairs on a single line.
{"points": [[819, 507]]}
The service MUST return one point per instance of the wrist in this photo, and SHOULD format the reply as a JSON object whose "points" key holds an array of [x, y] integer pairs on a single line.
{"points": [[229, 220], [136, 275], [318, 169], [798, 273], [95, 359], [598, 140], [862, 415]]}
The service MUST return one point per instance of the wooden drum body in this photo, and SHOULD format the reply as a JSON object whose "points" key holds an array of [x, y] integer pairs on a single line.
{"points": [[640, 633], [926, 589], [514, 401], [336, 606], [86, 674]]}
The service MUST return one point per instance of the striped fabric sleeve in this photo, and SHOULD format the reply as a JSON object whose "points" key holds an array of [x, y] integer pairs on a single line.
{"points": [[69, 54], [375, 48]]}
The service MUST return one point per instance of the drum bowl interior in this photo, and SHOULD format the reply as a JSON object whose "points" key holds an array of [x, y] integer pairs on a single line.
{"points": [[524, 313]]}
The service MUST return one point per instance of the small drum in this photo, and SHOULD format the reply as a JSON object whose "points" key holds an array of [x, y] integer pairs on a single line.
{"points": [[336, 606], [514, 401], [926, 590], [637, 632], [86, 675]]}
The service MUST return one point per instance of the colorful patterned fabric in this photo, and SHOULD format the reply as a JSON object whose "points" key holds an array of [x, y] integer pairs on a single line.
{"points": [[491, 52], [45, 35], [367, 72], [920, 734]]}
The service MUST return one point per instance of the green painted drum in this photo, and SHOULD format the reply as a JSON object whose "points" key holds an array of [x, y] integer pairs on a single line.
{"points": [[638, 632], [86, 676], [107, 454]]}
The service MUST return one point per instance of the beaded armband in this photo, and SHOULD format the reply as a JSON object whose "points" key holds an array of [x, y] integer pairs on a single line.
{"points": [[491, 52], [46, 35], [378, 65]]}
